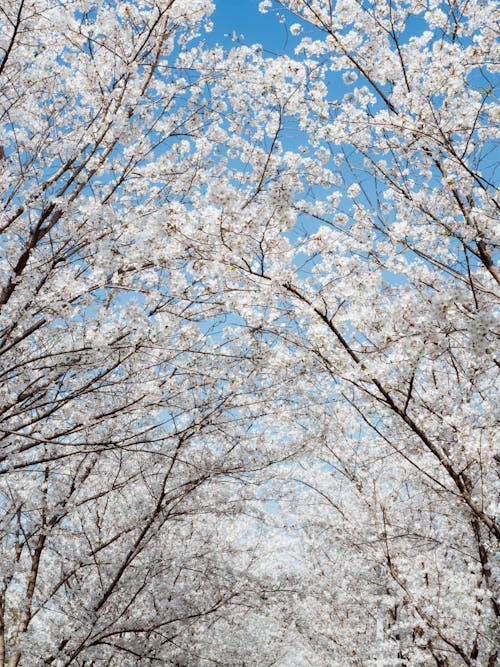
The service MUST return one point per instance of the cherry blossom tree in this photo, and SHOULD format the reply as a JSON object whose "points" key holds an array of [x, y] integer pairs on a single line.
{"points": [[390, 293], [247, 318], [133, 422]]}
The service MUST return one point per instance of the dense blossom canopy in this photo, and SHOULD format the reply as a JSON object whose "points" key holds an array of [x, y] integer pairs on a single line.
{"points": [[248, 326]]}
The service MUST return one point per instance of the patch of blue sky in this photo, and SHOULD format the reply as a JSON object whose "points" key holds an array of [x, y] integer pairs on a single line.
{"points": [[240, 21]]}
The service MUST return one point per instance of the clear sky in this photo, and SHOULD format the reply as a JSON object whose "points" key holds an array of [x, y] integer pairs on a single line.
{"points": [[242, 17]]}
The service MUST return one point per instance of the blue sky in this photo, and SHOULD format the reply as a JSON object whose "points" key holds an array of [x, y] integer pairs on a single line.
{"points": [[243, 18]]}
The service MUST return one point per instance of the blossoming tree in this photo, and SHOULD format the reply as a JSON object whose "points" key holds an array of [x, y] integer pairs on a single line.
{"points": [[247, 318], [391, 293], [126, 419]]}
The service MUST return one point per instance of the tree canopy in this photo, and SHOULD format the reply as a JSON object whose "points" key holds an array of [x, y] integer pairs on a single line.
{"points": [[248, 327]]}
